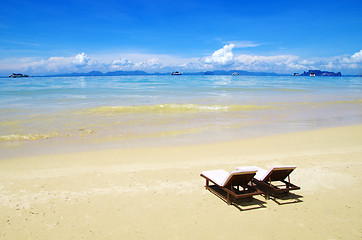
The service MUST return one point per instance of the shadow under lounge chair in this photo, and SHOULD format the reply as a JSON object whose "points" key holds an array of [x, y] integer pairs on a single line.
{"points": [[231, 186], [275, 181]]}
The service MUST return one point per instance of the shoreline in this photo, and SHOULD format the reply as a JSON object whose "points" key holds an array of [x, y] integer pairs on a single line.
{"points": [[54, 146], [157, 193]]}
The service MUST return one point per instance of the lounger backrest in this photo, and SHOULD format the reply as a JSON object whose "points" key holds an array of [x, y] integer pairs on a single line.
{"points": [[239, 178], [279, 173]]}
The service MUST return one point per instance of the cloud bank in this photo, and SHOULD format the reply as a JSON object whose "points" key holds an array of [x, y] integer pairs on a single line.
{"points": [[124, 64], [221, 59], [225, 59], [353, 62], [60, 64]]}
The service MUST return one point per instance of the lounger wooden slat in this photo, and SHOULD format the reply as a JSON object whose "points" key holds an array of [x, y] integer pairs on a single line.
{"points": [[231, 186]]}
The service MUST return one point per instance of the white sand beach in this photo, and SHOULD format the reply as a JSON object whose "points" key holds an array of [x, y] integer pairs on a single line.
{"points": [[157, 192]]}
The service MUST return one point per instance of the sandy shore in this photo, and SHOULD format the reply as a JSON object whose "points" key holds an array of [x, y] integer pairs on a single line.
{"points": [[157, 193]]}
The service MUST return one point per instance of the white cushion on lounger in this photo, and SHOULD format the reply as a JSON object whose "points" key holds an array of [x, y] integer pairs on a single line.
{"points": [[217, 176], [262, 173], [220, 176]]}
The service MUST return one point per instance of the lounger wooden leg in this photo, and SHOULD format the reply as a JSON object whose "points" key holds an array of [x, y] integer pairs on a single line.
{"points": [[228, 198], [288, 184], [267, 194]]}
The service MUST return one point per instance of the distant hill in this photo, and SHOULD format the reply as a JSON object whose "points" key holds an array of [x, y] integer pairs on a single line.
{"points": [[127, 73]]}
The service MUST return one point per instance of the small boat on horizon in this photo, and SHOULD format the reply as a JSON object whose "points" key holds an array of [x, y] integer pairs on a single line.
{"points": [[176, 73], [235, 74], [18, 75]]}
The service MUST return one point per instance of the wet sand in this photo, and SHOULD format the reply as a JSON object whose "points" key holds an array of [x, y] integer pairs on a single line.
{"points": [[157, 192]]}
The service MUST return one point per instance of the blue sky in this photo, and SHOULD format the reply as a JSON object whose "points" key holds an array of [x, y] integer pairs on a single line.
{"points": [[41, 37]]}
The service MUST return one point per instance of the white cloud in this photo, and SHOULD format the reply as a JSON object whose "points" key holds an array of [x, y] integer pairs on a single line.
{"points": [[347, 63], [122, 64], [329, 66], [80, 59], [152, 63], [355, 58], [60, 64], [125, 64], [278, 63], [245, 44], [223, 56]]}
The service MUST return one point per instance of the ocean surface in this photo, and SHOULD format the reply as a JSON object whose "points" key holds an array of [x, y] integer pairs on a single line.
{"points": [[130, 110]]}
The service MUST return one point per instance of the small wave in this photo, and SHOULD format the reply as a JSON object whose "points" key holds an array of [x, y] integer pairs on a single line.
{"points": [[26, 137], [9, 123], [173, 108], [344, 101], [320, 104], [260, 89]]}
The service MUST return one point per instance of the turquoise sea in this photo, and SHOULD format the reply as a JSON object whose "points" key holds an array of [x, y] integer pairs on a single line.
{"points": [[164, 109]]}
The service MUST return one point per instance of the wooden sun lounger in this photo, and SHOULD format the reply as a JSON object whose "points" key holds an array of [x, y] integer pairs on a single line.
{"points": [[231, 186], [275, 181]]}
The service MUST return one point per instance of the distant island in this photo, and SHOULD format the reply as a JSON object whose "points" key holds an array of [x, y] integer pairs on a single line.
{"points": [[320, 73]]}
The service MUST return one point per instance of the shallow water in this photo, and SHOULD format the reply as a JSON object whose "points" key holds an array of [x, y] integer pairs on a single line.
{"points": [[126, 110]]}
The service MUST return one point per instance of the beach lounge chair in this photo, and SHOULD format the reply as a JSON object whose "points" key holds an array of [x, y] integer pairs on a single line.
{"points": [[275, 181], [231, 186]]}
